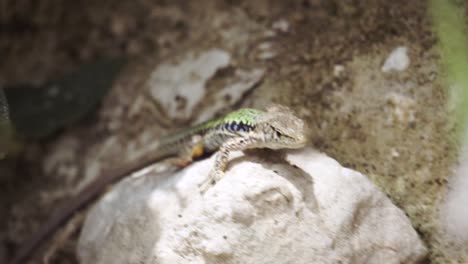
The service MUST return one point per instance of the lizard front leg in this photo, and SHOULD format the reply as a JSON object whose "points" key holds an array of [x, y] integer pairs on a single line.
{"points": [[221, 160]]}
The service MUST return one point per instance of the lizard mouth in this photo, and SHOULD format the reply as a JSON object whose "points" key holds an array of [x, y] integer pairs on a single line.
{"points": [[295, 142], [301, 141]]}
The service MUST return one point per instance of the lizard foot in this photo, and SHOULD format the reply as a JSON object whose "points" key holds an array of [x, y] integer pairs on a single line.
{"points": [[212, 179]]}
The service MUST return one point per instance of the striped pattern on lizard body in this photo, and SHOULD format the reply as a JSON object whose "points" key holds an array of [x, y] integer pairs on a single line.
{"points": [[210, 135]]}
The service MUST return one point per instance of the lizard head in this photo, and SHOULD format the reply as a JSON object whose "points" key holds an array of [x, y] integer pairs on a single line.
{"points": [[283, 129]]}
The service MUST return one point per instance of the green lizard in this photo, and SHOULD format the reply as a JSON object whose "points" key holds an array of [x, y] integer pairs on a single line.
{"points": [[275, 128]]}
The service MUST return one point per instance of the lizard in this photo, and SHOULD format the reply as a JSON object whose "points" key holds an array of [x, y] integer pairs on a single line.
{"points": [[275, 127]]}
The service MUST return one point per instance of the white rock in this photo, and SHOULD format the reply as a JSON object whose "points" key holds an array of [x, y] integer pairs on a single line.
{"points": [[398, 60], [338, 70], [307, 209], [281, 25], [179, 87], [231, 93]]}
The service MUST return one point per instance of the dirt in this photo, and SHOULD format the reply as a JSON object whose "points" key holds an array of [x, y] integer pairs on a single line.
{"points": [[323, 58]]}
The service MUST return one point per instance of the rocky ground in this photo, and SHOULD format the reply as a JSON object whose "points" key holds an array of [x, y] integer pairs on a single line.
{"points": [[323, 58]]}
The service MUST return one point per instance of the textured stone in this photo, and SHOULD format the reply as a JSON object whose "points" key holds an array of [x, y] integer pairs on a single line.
{"points": [[303, 209]]}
